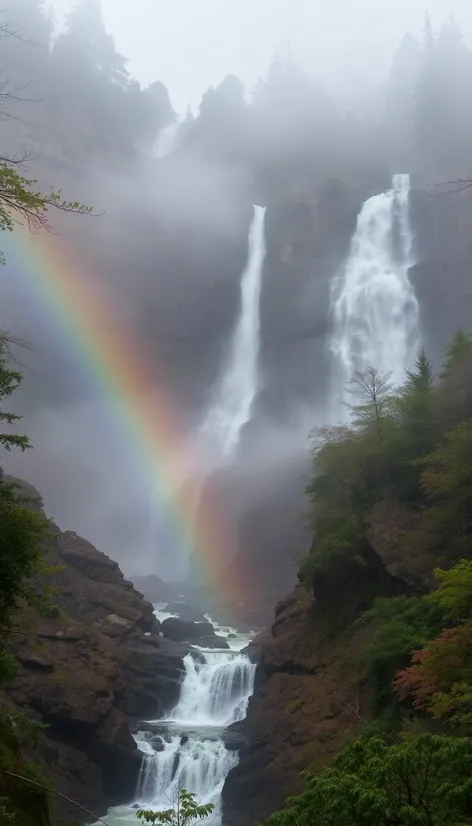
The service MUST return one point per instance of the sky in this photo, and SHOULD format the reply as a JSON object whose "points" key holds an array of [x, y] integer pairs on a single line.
{"points": [[192, 44]]}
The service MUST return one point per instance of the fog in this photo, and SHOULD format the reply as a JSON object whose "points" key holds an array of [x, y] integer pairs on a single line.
{"points": [[193, 45], [347, 100]]}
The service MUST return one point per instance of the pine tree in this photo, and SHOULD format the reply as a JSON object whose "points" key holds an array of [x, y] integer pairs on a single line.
{"points": [[456, 353]]}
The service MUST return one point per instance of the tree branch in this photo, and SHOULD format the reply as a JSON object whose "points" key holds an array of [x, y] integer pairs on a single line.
{"points": [[59, 794]]}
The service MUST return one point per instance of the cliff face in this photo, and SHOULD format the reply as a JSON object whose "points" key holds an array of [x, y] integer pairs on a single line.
{"points": [[312, 692], [301, 715], [88, 671]]}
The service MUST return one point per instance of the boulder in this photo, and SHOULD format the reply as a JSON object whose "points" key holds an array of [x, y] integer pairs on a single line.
{"points": [[185, 612], [180, 630]]}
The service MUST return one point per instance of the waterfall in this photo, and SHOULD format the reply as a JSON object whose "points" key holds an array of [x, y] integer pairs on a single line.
{"points": [[231, 404], [187, 750], [216, 691], [374, 309], [166, 140]]}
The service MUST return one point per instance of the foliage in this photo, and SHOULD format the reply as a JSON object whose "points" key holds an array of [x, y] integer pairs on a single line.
{"points": [[19, 199], [454, 591], [402, 624], [425, 780], [185, 811], [23, 530], [439, 679], [446, 481], [456, 353]]}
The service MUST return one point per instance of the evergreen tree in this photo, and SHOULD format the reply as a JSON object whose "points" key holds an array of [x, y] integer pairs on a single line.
{"points": [[456, 353]]}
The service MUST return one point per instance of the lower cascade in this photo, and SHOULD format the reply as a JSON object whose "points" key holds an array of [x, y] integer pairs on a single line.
{"points": [[187, 750]]}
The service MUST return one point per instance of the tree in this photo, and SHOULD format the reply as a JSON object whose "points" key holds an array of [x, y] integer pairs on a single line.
{"points": [[425, 780], [374, 393], [401, 624], [456, 353], [454, 591], [22, 529], [185, 811], [19, 199], [417, 429], [446, 481], [88, 48], [439, 679]]}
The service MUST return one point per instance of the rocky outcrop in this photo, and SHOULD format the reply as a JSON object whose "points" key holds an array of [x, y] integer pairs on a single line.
{"points": [[387, 525], [88, 671]]}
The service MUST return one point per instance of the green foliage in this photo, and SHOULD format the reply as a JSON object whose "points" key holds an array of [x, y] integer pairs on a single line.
{"points": [[446, 481], [439, 679], [19, 199], [454, 591], [185, 811], [22, 529], [402, 624], [456, 353], [425, 780], [9, 381]]}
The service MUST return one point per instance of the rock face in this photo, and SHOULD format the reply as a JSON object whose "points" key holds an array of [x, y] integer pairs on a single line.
{"points": [[154, 588], [300, 715], [89, 670], [386, 526]]}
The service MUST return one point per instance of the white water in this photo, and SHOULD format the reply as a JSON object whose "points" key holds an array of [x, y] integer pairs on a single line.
{"points": [[374, 309], [187, 750], [231, 405], [166, 140]]}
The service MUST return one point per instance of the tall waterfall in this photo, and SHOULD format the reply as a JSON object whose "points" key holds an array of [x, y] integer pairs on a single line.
{"points": [[187, 750], [374, 309], [231, 404]]}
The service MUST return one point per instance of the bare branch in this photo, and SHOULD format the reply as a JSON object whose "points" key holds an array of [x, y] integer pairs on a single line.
{"points": [[455, 185], [59, 794]]}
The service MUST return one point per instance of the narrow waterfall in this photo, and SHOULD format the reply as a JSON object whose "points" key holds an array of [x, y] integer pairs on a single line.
{"points": [[374, 309], [187, 749], [231, 404], [166, 140]]}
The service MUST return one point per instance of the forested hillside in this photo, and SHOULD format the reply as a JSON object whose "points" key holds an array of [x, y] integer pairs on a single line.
{"points": [[390, 570]]}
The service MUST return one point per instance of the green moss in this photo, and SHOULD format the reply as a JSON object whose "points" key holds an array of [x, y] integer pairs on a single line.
{"points": [[293, 705]]}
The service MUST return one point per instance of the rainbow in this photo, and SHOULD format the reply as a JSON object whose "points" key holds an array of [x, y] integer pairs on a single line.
{"points": [[92, 328]]}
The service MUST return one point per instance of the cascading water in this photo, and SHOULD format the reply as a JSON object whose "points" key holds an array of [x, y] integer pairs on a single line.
{"points": [[231, 405], [166, 140], [374, 309], [188, 750]]}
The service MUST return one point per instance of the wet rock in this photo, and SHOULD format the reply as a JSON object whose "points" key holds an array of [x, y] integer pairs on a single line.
{"points": [[88, 675], [185, 612], [212, 642], [180, 630]]}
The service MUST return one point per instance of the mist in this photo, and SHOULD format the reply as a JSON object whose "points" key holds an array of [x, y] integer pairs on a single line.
{"points": [[264, 103]]}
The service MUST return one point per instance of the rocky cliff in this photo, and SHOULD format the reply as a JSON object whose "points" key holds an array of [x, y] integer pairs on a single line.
{"points": [[88, 671], [312, 692]]}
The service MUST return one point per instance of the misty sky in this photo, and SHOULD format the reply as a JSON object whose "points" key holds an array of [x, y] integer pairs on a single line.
{"points": [[192, 44]]}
